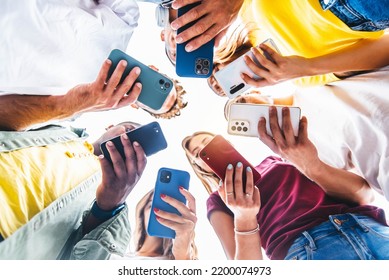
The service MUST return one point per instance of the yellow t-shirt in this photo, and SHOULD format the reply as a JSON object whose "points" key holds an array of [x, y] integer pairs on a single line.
{"points": [[303, 28], [31, 178]]}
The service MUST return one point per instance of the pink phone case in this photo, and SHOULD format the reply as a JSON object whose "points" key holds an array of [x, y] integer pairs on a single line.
{"points": [[218, 153]]}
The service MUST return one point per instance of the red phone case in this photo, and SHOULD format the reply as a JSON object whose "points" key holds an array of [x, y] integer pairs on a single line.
{"points": [[218, 153]]}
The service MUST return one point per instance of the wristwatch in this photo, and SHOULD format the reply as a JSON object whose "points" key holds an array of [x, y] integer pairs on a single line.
{"points": [[104, 215]]}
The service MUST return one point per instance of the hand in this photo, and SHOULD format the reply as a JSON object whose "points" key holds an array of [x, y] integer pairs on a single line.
{"points": [[244, 202], [183, 225], [283, 68], [298, 150], [215, 17], [120, 177], [105, 94]]}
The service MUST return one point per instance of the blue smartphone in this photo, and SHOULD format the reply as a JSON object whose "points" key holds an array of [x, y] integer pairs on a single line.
{"points": [[168, 182], [155, 86], [198, 63], [149, 136]]}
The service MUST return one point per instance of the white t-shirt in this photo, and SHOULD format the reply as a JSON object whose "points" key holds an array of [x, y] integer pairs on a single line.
{"points": [[49, 46]]}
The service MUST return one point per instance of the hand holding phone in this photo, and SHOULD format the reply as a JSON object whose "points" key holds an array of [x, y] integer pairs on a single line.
{"points": [[168, 182], [155, 86], [219, 153], [229, 77], [149, 136], [243, 118], [198, 63]]}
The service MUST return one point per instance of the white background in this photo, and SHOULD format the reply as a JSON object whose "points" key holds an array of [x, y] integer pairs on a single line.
{"points": [[205, 112]]}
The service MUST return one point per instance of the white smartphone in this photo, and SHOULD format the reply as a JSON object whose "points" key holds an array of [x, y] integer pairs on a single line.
{"points": [[243, 118], [229, 77]]}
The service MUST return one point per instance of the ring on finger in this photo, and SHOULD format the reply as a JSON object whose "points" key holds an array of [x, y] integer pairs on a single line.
{"points": [[229, 193], [247, 194]]}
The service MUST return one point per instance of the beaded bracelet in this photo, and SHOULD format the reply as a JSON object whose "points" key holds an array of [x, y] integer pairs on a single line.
{"points": [[247, 232]]}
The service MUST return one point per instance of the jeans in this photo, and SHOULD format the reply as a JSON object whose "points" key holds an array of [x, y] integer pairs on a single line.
{"points": [[343, 237], [360, 15]]}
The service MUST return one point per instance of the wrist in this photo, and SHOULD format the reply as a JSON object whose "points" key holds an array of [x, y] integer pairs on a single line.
{"points": [[104, 214], [245, 225]]}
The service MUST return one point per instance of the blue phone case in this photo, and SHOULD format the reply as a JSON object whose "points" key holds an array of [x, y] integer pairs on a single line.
{"points": [[168, 182], [195, 64], [155, 86], [149, 136]]}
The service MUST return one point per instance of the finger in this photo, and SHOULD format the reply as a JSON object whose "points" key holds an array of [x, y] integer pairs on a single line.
{"points": [[103, 73], [129, 153], [272, 53], [128, 82], [190, 16], [264, 137], [238, 180], [255, 82], [266, 63], [106, 169], [114, 80], [191, 201], [220, 36], [119, 167], [204, 38], [131, 97], [274, 126], [169, 216], [256, 196], [141, 159], [287, 126], [249, 182], [255, 68], [181, 3], [181, 207], [222, 191], [228, 183], [303, 130]]}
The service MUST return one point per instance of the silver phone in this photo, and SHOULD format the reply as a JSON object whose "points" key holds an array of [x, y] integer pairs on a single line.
{"points": [[243, 118], [229, 77]]}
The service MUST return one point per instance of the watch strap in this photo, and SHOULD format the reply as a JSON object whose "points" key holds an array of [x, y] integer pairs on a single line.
{"points": [[104, 215]]}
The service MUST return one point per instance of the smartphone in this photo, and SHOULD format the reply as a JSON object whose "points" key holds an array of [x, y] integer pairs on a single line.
{"points": [[198, 63], [243, 118], [155, 86], [168, 182], [229, 77], [218, 153], [149, 136]]}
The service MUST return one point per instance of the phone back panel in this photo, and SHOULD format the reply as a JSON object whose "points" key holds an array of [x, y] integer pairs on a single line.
{"points": [[195, 64], [168, 186], [243, 118], [218, 153], [155, 86], [229, 78], [149, 136]]}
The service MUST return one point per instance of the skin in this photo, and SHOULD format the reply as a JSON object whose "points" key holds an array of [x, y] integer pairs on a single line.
{"points": [[118, 179], [168, 35], [215, 17], [183, 225], [21, 111], [194, 147]]}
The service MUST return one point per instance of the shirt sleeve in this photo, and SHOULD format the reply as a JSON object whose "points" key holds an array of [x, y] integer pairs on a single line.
{"points": [[215, 203]]}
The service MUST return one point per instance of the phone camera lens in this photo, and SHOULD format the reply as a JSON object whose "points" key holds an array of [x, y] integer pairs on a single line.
{"points": [[165, 176], [233, 128], [206, 62], [198, 66], [239, 128], [205, 71], [161, 81], [245, 129], [167, 85], [203, 154]]}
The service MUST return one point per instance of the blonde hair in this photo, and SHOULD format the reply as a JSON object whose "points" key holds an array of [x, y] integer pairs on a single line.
{"points": [[209, 179], [179, 104], [166, 248]]}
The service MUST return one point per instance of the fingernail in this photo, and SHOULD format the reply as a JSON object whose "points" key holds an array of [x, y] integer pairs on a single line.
{"points": [[188, 48], [139, 85], [181, 188], [229, 166], [248, 168], [108, 61], [101, 156], [124, 63], [174, 26], [178, 40], [156, 209], [137, 70], [136, 144], [109, 143], [125, 136], [163, 195], [220, 183], [239, 164]]}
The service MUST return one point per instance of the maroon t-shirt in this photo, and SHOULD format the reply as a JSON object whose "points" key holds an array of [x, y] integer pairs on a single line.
{"points": [[291, 204]]}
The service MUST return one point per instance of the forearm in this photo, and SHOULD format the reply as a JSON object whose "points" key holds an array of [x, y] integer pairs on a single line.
{"points": [[248, 246], [18, 112], [365, 55], [340, 183]]}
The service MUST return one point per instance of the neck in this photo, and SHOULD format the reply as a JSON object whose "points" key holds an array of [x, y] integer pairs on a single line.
{"points": [[151, 247]]}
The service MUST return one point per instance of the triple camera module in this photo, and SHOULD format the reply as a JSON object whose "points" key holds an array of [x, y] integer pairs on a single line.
{"points": [[166, 176], [202, 66]]}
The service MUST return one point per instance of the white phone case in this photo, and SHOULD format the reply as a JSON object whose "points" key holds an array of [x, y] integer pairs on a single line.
{"points": [[244, 117], [229, 77]]}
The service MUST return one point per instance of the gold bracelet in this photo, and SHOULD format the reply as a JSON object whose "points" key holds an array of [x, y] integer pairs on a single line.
{"points": [[247, 232]]}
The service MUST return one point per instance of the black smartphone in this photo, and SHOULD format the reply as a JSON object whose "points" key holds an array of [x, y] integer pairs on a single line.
{"points": [[149, 136]]}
